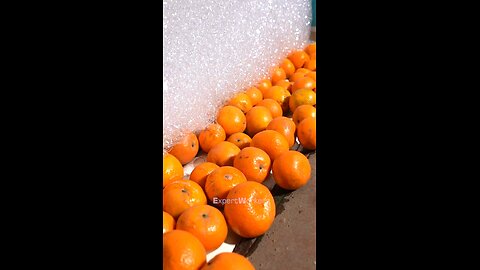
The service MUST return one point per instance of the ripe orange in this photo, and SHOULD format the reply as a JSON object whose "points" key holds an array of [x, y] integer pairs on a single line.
{"points": [[241, 101], [311, 49], [180, 195], [228, 261], [206, 223], [302, 96], [211, 136], [168, 222], [291, 170], [311, 64], [263, 85], [221, 181], [288, 67], [298, 58], [172, 169], [250, 209], [272, 142], [254, 163], [302, 112], [295, 77], [285, 84], [284, 126], [305, 82], [307, 133], [258, 118], [313, 75], [223, 154], [255, 95], [240, 139], [278, 74], [182, 250], [273, 106], [201, 171], [303, 70], [186, 150], [280, 95], [232, 119]]}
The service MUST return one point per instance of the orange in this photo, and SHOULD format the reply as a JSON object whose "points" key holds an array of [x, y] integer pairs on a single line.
{"points": [[186, 150], [307, 133], [232, 119], [302, 112], [298, 58], [288, 67], [302, 96], [279, 94], [305, 82], [273, 106], [311, 64], [285, 84], [263, 85], [255, 95], [278, 74], [201, 171], [272, 142], [296, 76], [182, 251], [223, 154], [311, 49], [284, 126], [303, 70], [180, 195], [211, 136], [254, 163], [221, 181], [313, 75], [240, 139], [258, 118], [250, 209], [206, 223], [168, 222], [291, 170], [228, 261], [172, 169], [241, 101]]}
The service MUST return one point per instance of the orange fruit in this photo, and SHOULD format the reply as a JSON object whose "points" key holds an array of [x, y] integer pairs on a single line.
{"points": [[278, 74], [172, 169], [302, 112], [201, 171], [279, 94], [182, 250], [311, 49], [249, 209], [295, 77], [288, 67], [272, 142], [305, 82], [311, 64], [258, 118], [211, 136], [273, 106], [303, 70], [302, 96], [313, 75], [298, 58], [307, 133], [284, 126], [186, 150], [255, 95], [232, 119], [254, 163], [263, 85], [180, 195], [228, 261], [291, 170], [168, 222], [206, 223], [285, 84], [223, 154], [241, 140], [221, 181], [241, 101]]}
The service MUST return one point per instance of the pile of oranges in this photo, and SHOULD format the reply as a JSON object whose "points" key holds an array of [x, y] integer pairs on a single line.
{"points": [[252, 137]]}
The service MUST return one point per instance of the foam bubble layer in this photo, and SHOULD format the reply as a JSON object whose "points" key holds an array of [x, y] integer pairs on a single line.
{"points": [[214, 49]]}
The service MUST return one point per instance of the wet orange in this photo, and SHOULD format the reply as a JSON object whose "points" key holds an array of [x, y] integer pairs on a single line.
{"points": [[201, 171], [273, 106], [168, 222], [298, 58], [255, 95], [232, 119], [288, 67], [291, 170], [211, 136], [302, 112], [307, 133], [272, 142], [240, 139], [186, 150], [300, 97], [221, 181], [229, 261], [182, 250], [254, 163], [172, 169], [278, 74], [280, 95], [180, 195], [241, 101], [223, 153], [258, 118], [305, 82], [284, 126]]}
